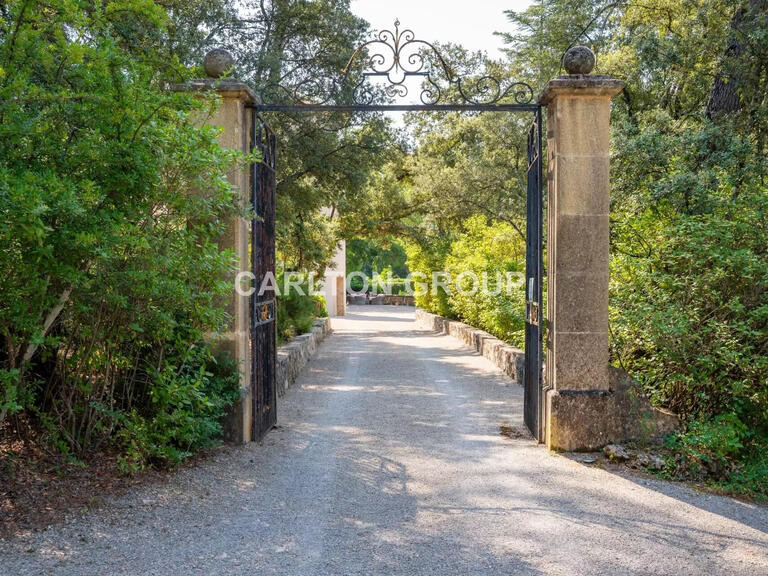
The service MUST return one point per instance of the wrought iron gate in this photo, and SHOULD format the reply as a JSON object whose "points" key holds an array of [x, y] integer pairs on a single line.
{"points": [[263, 309], [390, 58], [534, 385]]}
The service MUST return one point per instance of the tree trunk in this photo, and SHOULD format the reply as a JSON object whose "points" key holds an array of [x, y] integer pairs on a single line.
{"points": [[725, 97]]}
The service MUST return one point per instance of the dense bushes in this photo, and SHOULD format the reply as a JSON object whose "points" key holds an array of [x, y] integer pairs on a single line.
{"points": [[484, 250], [297, 309], [691, 323], [185, 408], [425, 258], [491, 250], [388, 285], [111, 203], [692, 319]]}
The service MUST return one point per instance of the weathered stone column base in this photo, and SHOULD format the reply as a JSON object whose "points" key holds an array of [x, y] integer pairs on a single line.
{"points": [[238, 422], [587, 420]]}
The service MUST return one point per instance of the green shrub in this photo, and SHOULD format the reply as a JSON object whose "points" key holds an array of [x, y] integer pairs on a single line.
{"points": [[398, 287], [723, 451], [113, 199], [751, 475], [490, 248], [357, 283], [386, 284], [188, 399], [691, 321], [424, 259], [320, 310], [297, 310], [13, 397], [708, 447], [493, 249]]}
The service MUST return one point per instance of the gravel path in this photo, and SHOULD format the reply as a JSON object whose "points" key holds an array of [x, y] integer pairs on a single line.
{"points": [[388, 461]]}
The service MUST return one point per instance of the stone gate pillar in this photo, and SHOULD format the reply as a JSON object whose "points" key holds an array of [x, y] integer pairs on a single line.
{"points": [[233, 116], [578, 162]]}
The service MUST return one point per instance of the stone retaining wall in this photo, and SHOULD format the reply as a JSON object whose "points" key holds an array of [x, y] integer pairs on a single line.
{"points": [[294, 356], [508, 359], [382, 300]]}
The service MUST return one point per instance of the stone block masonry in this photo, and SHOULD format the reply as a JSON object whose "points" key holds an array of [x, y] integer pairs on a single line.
{"points": [[294, 356], [588, 403], [505, 357], [381, 300]]}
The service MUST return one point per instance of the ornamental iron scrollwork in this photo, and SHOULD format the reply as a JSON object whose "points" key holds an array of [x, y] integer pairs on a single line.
{"points": [[393, 57]]}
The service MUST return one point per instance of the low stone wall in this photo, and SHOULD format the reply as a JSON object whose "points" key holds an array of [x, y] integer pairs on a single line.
{"points": [[382, 300], [392, 300], [508, 359], [294, 356]]}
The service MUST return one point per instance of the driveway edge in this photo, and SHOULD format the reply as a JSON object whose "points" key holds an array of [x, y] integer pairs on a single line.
{"points": [[294, 356], [508, 359]]}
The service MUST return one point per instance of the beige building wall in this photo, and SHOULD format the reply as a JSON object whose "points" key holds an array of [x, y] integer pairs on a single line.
{"points": [[334, 283]]}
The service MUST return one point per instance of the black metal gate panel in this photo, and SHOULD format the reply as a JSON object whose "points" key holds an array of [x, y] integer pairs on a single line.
{"points": [[534, 264], [263, 308]]}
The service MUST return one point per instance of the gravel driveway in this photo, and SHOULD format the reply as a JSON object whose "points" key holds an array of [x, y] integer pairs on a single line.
{"points": [[388, 461]]}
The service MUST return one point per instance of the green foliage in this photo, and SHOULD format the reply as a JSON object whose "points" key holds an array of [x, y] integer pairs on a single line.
{"points": [[750, 476], [458, 200], [297, 309], [357, 283], [468, 165], [709, 446], [491, 252], [387, 284], [723, 451], [423, 260], [112, 199], [690, 320], [323, 167], [12, 400], [376, 257], [382, 262], [188, 397]]}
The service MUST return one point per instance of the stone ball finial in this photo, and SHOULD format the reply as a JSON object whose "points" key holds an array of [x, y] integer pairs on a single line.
{"points": [[579, 60], [217, 62]]}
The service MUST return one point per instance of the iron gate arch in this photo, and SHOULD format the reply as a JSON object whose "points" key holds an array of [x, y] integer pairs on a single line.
{"points": [[391, 57]]}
